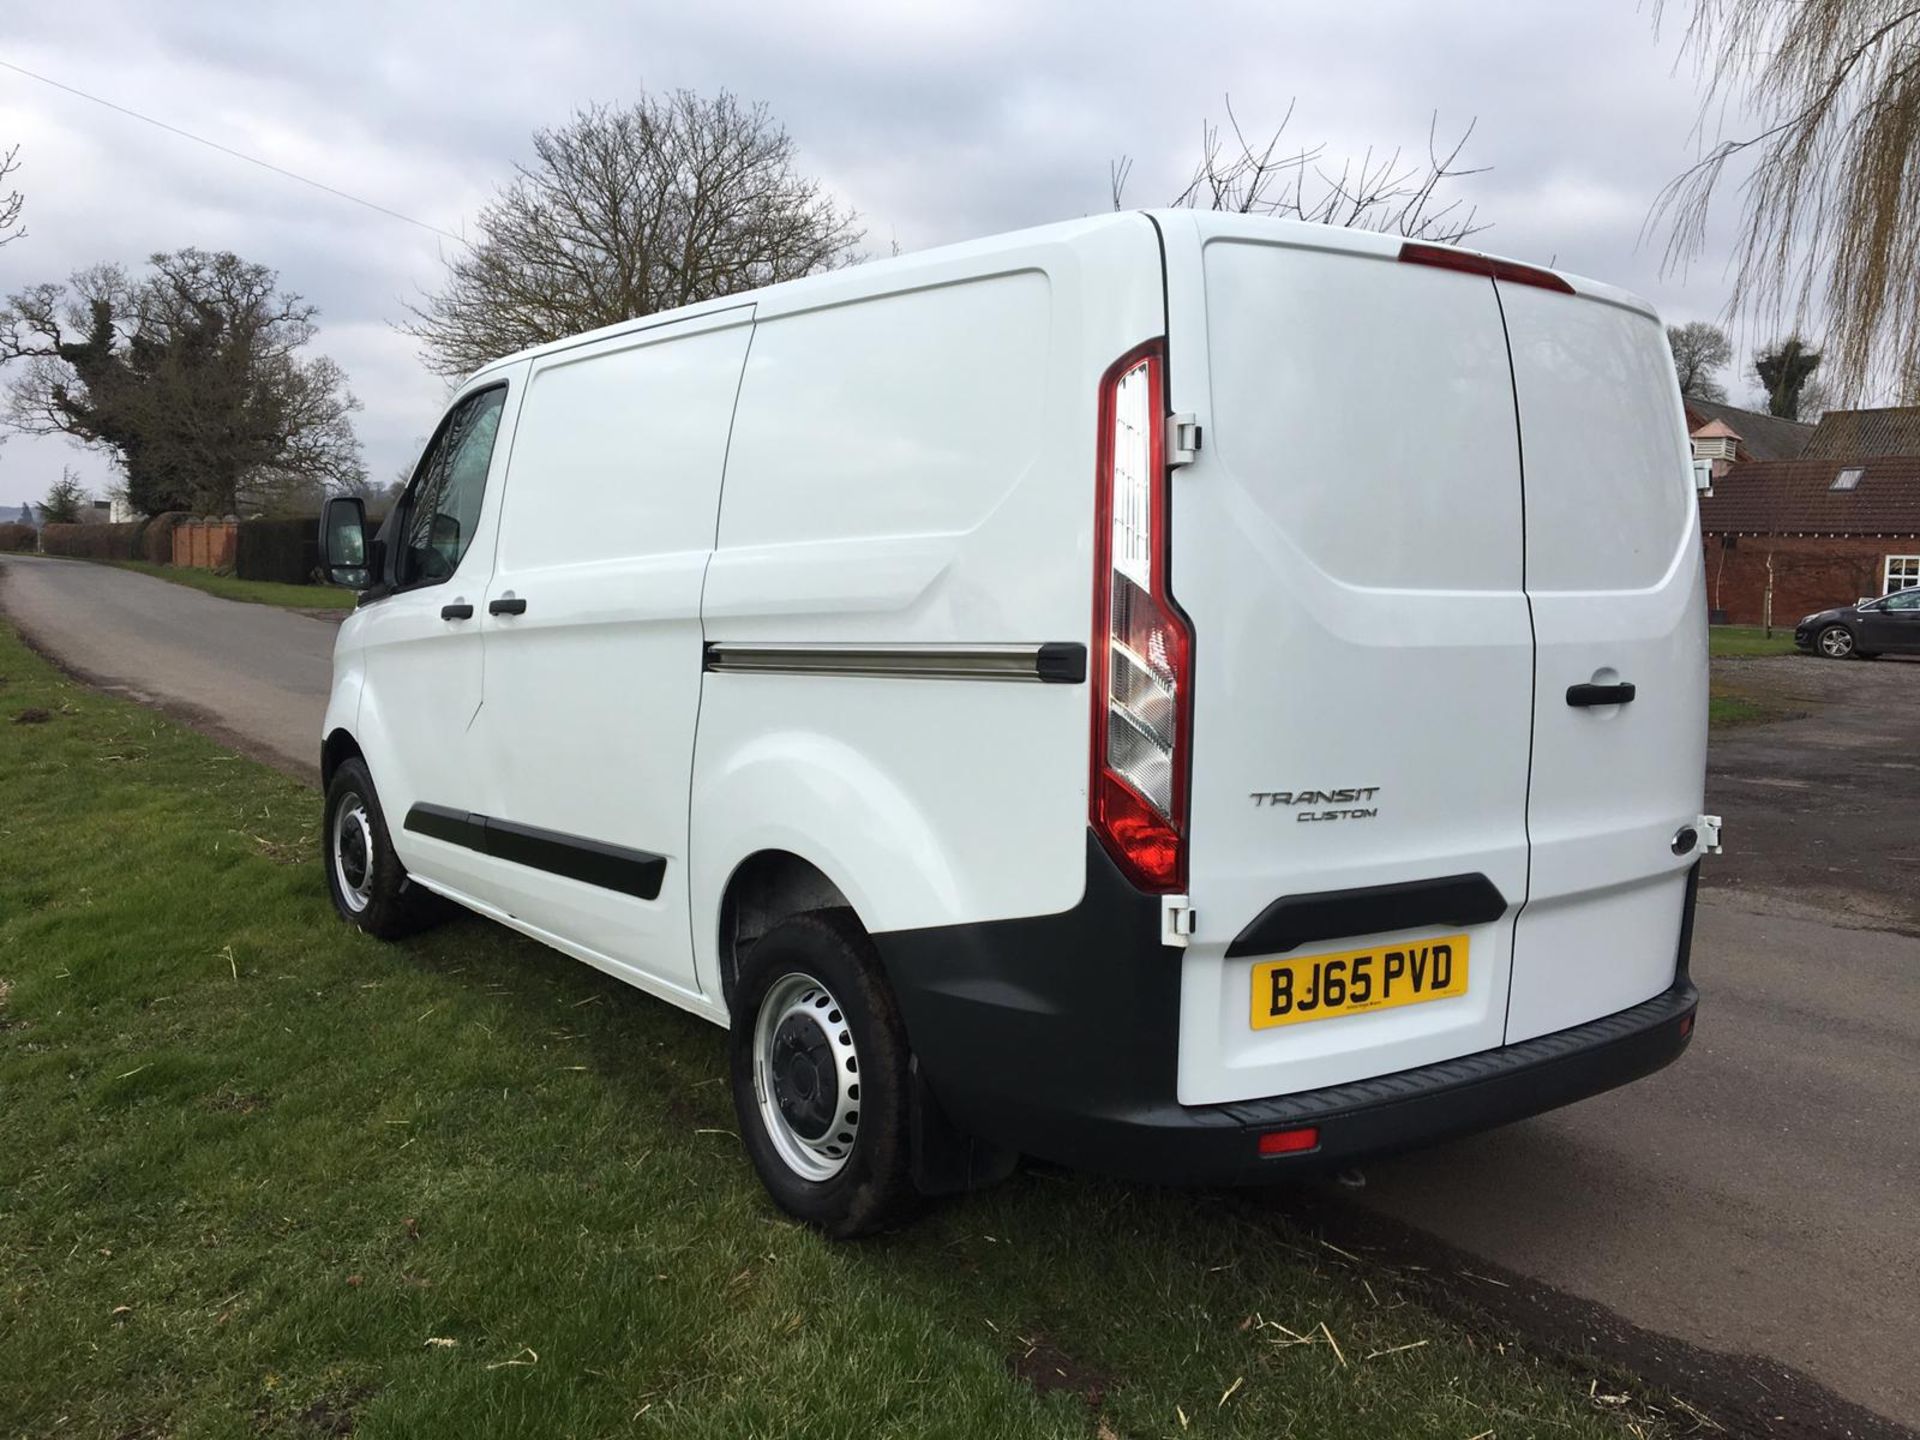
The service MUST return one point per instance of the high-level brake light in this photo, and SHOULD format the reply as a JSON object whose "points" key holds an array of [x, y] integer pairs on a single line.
{"points": [[1141, 645], [1448, 258]]}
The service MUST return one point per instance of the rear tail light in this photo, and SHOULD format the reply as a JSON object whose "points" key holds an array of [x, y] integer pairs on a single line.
{"points": [[1141, 645]]}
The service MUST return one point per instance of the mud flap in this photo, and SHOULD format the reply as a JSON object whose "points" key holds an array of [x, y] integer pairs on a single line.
{"points": [[946, 1159]]}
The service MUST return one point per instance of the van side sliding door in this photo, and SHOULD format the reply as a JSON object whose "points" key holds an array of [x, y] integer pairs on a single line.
{"points": [[593, 639]]}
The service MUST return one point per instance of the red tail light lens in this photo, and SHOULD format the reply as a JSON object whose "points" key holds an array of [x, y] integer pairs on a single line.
{"points": [[1446, 257], [1141, 644]]}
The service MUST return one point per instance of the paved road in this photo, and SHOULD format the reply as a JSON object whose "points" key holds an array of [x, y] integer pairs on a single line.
{"points": [[1761, 1196], [254, 675], [1758, 1197]]}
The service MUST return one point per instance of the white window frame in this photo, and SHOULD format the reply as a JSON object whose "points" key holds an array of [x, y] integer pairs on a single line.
{"points": [[1902, 572]]}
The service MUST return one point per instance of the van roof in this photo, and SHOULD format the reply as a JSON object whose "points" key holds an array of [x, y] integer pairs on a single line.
{"points": [[946, 262]]}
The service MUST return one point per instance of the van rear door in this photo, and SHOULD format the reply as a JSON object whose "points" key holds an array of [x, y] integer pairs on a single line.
{"points": [[1348, 546], [1613, 574]]}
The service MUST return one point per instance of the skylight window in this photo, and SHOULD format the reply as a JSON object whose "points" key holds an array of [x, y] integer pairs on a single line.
{"points": [[1847, 479]]}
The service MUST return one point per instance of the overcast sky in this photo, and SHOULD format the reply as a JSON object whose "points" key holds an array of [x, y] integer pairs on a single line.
{"points": [[936, 122]]}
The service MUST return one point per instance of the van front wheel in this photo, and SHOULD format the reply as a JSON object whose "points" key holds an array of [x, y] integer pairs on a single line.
{"points": [[819, 1068], [368, 883]]}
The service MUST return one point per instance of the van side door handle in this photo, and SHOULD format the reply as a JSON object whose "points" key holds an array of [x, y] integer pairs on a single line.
{"points": [[460, 611], [507, 605], [1621, 694]]}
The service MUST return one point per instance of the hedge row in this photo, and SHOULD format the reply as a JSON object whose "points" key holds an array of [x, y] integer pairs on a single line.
{"points": [[15, 536], [284, 550], [149, 539]]}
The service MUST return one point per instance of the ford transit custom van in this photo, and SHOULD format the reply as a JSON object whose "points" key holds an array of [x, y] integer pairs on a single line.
{"points": [[1194, 697]]}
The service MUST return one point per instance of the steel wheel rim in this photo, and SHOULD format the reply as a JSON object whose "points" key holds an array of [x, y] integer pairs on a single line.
{"points": [[351, 853], [806, 1077], [1837, 643]]}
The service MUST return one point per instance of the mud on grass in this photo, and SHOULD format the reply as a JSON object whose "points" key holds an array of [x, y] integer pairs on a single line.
{"points": [[260, 1174]]}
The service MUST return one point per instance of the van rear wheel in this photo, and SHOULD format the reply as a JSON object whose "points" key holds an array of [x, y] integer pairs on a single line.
{"points": [[365, 878], [819, 1068]]}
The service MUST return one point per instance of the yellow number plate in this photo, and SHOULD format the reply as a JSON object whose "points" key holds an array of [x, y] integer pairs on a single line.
{"points": [[1313, 987]]}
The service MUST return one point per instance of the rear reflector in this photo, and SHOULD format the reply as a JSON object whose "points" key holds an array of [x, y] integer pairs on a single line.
{"points": [[1290, 1142], [1446, 257], [1686, 1027]]}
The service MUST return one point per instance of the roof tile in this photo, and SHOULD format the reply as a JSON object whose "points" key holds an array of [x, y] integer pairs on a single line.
{"points": [[1795, 497]]}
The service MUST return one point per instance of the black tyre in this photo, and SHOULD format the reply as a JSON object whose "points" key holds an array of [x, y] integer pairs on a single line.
{"points": [[1835, 642], [820, 1084], [368, 883]]}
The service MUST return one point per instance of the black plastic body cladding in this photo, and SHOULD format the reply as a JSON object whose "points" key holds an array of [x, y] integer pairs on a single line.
{"points": [[1058, 1035]]}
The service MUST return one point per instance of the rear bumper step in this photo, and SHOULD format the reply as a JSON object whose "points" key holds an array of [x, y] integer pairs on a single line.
{"points": [[1057, 1036], [1371, 1118]]}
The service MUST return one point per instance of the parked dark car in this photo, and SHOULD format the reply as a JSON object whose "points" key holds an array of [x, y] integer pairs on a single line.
{"points": [[1889, 625]]}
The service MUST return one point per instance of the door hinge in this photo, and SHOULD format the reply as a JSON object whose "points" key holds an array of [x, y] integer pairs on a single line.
{"points": [[1183, 439], [1709, 828], [1176, 920]]}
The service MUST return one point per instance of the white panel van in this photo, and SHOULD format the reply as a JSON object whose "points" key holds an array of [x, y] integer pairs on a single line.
{"points": [[1195, 697]]}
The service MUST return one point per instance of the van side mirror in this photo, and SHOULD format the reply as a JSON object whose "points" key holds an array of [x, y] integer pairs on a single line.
{"points": [[343, 541]]}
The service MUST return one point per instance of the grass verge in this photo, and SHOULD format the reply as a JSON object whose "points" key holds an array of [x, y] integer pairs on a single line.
{"points": [[1749, 640], [257, 592], [262, 1176]]}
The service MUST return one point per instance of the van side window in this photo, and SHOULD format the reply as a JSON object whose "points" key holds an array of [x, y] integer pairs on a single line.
{"points": [[448, 488]]}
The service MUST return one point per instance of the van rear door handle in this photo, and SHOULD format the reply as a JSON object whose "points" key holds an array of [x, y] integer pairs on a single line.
{"points": [[460, 611], [1620, 694], [514, 605]]}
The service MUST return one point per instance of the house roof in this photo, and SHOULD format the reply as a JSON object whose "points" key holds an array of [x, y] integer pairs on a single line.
{"points": [[1796, 497], [1762, 437], [1894, 430]]}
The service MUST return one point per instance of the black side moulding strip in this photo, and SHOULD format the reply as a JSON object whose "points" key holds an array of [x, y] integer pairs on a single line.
{"points": [[592, 862]]}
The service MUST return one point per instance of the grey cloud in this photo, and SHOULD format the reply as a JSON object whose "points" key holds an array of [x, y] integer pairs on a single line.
{"points": [[936, 122]]}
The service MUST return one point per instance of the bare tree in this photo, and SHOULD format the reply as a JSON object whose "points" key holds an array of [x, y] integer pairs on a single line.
{"points": [[1381, 190], [1700, 348], [11, 203], [665, 202], [191, 377], [1831, 202]]}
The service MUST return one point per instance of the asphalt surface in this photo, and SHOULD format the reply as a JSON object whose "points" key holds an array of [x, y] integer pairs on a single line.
{"points": [[1760, 1198], [255, 676]]}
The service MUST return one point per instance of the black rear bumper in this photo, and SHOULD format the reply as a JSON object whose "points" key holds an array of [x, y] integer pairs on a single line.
{"points": [[1057, 1036]]}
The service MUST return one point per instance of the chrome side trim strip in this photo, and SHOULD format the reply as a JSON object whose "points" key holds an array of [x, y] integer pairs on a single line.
{"points": [[1054, 663]]}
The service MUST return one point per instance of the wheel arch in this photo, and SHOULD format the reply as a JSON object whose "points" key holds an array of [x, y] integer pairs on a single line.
{"points": [[765, 888], [336, 750]]}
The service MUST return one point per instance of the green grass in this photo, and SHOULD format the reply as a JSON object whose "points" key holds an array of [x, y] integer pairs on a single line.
{"points": [[263, 1176], [1749, 640], [258, 592]]}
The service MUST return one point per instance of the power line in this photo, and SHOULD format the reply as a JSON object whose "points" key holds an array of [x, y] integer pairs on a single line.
{"points": [[229, 150]]}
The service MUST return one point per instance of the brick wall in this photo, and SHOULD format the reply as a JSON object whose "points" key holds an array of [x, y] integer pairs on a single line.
{"points": [[1808, 574]]}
